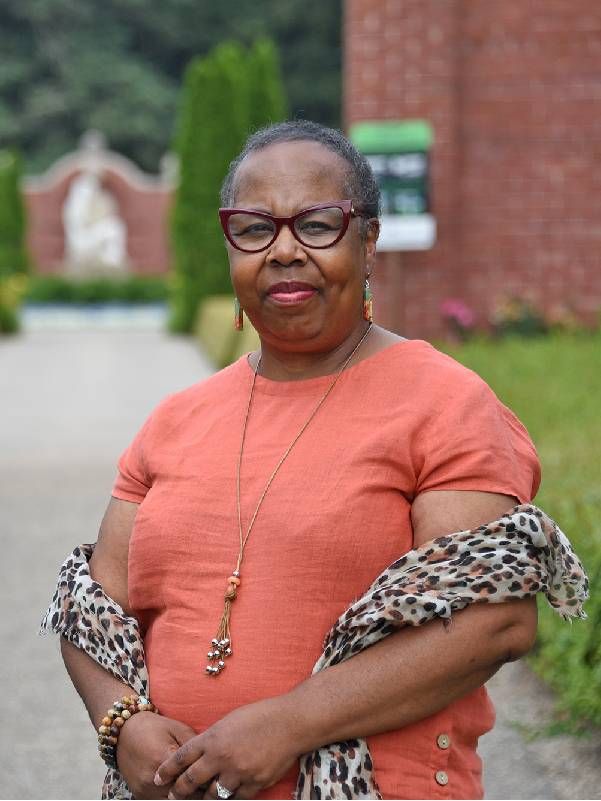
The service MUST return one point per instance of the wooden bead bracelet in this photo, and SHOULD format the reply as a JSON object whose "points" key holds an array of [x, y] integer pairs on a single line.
{"points": [[112, 722]]}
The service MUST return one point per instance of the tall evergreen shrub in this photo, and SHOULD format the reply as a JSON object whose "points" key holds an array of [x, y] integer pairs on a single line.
{"points": [[13, 257], [226, 95], [267, 101]]}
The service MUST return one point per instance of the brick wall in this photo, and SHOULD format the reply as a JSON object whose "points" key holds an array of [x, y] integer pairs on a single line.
{"points": [[512, 90]]}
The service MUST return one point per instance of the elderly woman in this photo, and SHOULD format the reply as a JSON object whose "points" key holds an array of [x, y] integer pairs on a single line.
{"points": [[290, 480]]}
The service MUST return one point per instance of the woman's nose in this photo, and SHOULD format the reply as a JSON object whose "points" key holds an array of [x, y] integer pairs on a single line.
{"points": [[286, 249]]}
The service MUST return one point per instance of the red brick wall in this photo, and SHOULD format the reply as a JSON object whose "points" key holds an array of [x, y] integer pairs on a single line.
{"points": [[513, 93]]}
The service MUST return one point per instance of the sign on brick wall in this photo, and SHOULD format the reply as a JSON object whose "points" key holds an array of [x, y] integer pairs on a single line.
{"points": [[398, 153]]}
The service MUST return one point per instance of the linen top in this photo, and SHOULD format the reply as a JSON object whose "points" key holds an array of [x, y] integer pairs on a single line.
{"points": [[403, 421]]}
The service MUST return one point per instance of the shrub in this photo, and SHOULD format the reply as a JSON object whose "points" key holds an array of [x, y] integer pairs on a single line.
{"points": [[13, 256], [12, 289], [518, 316], [211, 131], [225, 95], [267, 101]]}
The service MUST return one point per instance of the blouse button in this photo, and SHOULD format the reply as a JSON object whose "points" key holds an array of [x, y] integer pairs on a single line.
{"points": [[443, 741], [441, 778]]}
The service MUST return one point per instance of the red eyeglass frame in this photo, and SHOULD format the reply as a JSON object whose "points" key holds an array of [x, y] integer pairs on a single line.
{"points": [[346, 206]]}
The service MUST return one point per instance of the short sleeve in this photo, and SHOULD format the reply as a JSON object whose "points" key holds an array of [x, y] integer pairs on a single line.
{"points": [[132, 481], [134, 477], [471, 441]]}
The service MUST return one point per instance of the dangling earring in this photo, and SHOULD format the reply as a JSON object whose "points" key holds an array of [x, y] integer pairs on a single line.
{"points": [[368, 306], [238, 315]]}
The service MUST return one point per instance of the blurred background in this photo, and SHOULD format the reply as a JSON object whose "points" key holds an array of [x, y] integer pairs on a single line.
{"points": [[482, 122]]}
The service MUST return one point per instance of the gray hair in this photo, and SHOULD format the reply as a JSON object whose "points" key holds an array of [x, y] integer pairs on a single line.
{"points": [[361, 182]]}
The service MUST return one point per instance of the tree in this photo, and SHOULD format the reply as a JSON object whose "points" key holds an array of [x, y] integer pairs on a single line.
{"points": [[225, 95], [117, 65]]}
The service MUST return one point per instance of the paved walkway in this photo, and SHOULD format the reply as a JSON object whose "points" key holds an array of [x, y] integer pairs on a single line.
{"points": [[71, 401]]}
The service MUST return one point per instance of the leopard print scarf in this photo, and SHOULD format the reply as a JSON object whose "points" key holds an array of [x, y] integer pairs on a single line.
{"points": [[519, 555]]}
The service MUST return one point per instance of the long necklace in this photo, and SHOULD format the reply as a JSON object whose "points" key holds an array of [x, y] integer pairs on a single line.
{"points": [[221, 644]]}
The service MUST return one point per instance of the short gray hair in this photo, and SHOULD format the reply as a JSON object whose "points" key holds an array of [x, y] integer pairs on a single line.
{"points": [[361, 181]]}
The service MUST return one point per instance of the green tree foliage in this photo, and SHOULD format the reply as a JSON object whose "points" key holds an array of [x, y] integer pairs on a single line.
{"points": [[116, 65], [212, 119], [226, 95], [267, 102], [73, 66], [13, 257]]}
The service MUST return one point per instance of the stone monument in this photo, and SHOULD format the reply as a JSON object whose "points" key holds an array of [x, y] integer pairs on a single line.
{"points": [[94, 212], [95, 235]]}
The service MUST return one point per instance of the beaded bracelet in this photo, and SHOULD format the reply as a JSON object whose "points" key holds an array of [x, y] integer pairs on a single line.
{"points": [[110, 728]]}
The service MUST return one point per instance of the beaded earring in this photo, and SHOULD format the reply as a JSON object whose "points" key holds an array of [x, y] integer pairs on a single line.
{"points": [[238, 315], [368, 306]]}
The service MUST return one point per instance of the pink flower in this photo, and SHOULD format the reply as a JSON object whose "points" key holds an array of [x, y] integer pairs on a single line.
{"points": [[458, 312]]}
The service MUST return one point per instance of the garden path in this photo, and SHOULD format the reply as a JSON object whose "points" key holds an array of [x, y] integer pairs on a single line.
{"points": [[71, 401]]}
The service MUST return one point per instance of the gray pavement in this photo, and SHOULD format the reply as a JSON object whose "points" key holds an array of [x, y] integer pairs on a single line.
{"points": [[70, 402]]}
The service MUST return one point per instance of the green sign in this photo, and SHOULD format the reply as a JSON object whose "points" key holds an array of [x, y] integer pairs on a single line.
{"points": [[391, 136], [398, 154]]}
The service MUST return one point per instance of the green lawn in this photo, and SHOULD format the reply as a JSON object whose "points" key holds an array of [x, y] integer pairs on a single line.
{"points": [[554, 385]]}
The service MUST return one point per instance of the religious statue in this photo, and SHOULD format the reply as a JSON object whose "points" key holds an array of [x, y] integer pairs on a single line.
{"points": [[95, 235]]}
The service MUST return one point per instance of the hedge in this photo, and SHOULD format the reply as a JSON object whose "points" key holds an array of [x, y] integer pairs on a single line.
{"points": [[62, 289]]}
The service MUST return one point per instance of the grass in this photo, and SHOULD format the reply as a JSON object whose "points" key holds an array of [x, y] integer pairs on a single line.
{"points": [[553, 384]]}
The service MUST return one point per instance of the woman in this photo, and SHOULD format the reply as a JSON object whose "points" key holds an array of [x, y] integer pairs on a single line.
{"points": [[393, 444]]}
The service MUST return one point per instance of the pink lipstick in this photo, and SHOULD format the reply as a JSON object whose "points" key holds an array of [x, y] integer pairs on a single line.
{"points": [[291, 292]]}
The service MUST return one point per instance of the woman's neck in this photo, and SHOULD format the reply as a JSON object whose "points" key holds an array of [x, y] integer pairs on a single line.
{"points": [[283, 365], [278, 365]]}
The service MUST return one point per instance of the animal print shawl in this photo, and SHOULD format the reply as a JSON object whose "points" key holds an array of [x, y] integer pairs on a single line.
{"points": [[519, 555]]}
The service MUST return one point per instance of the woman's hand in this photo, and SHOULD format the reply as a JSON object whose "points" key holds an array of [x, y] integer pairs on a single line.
{"points": [[144, 742], [251, 748]]}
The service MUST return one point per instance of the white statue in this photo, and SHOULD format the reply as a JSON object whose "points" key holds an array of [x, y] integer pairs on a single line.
{"points": [[95, 235]]}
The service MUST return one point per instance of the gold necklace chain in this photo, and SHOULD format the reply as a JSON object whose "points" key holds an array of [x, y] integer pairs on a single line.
{"points": [[221, 644]]}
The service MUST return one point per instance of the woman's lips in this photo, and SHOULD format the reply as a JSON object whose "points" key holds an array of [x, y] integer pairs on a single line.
{"points": [[291, 292], [292, 297]]}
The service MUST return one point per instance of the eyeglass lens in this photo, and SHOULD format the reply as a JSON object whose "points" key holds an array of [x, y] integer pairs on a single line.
{"points": [[317, 228]]}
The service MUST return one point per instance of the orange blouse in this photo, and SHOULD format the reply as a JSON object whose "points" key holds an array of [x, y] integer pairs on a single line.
{"points": [[403, 421]]}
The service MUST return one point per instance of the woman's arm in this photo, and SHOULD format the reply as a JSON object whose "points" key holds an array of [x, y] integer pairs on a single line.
{"points": [[146, 739], [408, 676]]}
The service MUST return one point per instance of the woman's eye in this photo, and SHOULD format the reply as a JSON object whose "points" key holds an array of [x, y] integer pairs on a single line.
{"points": [[256, 229], [314, 227]]}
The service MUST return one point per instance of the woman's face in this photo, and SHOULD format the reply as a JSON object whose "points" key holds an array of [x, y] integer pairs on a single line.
{"points": [[297, 297]]}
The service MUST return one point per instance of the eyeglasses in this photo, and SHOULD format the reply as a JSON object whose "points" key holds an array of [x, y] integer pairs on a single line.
{"points": [[316, 227]]}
